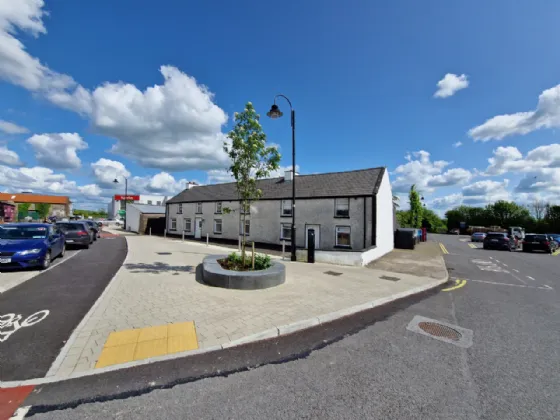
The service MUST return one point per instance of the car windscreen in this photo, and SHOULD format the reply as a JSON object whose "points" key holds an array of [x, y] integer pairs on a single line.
{"points": [[70, 226], [495, 236], [23, 232]]}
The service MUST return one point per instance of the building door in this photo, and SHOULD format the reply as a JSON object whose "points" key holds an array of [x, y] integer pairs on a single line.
{"points": [[317, 229], [198, 227]]}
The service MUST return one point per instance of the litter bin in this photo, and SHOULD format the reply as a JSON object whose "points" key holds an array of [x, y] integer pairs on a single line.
{"points": [[405, 238]]}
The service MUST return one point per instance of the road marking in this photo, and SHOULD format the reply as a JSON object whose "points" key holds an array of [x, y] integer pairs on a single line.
{"points": [[473, 246], [497, 260], [505, 265], [530, 278], [543, 287], [521, 280], [517, 271], [458, 285], [557, 252], [443, 248], [20, 413], [12, 321]]}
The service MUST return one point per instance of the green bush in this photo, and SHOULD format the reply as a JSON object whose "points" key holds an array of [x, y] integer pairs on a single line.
{"points": [[262, 261], [234, 262]]}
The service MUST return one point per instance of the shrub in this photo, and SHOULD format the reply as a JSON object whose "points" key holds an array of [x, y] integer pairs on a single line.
{"points": [[235, 262]]}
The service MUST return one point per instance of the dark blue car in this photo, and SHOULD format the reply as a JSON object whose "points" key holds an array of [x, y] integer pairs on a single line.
{"points": [[25, 245]]}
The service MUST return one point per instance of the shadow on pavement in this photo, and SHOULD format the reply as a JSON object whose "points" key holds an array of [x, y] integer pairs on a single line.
{"points": [[158, 267]]}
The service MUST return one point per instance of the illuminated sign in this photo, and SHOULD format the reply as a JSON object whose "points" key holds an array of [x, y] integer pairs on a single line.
{"points": [[127, 197]]}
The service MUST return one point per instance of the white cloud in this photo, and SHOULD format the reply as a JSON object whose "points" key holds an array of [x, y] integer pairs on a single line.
{"points": [[458, 144], [546, 115], [449, 201], [510, 159], [11, 128], [37, 179], [90, 190], [9, 157], [220, 176], [450, 84], [106, 171], [58, 150], [172, 126], [484, 192], [427, 174]]}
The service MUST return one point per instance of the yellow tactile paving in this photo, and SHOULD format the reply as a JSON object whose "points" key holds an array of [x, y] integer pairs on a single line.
{"points": [[142, 343], [115, 355], [153, 333], [122, 337]]}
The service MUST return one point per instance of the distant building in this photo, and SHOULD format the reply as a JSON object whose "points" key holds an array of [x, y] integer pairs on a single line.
{"points": [[7, 212], [60, 205], [140, 217]]}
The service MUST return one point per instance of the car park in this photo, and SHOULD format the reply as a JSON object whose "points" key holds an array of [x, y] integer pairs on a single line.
{"points": [[478, 237], [499, 240], [76, 233], [539, 242], [27, 245]]}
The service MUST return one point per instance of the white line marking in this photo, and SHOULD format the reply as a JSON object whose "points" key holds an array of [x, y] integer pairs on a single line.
{"points": [[543, 287], [20, 413], [518, 278], [530, 278], [517, 271], [497, 260], [505, 265]]}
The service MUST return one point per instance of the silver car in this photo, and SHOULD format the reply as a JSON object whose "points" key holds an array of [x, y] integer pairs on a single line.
{"points": [[478, 237]]}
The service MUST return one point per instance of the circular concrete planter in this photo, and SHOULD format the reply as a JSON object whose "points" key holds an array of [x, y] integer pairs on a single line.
{"points": [[214, 275]]}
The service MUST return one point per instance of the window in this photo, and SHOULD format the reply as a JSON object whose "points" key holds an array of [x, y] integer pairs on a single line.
{"points": [[173, 224], [218, 226], [342, 207], [187, 225], [199, 208], [286, 232], [149, 201], [219, 208], [343, 236], [247, 227], [159, 203], [180, 210], [286, 207]]}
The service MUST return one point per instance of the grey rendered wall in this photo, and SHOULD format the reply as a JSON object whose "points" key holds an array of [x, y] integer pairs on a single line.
{"points": [[266, 221]]}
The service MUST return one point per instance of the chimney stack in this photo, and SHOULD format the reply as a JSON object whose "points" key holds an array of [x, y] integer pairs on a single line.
{"points": [[288, 175]]}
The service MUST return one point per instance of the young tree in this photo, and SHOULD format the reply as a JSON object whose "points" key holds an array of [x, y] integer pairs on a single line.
{"points": [[538, 208], [43, 209], [416, 209], [251, 159]]}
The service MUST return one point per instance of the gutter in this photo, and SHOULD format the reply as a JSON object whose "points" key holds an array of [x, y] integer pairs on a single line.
{"points": [[364, 225]]}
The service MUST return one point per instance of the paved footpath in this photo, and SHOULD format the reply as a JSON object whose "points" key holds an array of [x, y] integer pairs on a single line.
{"points": [[158, 284], [38, 316]]}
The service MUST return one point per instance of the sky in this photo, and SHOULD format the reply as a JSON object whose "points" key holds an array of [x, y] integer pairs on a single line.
{"points": [[461, 99]]}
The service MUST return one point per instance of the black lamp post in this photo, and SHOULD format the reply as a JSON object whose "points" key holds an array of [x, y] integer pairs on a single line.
{"points": [[116, 181], [276, 113]]}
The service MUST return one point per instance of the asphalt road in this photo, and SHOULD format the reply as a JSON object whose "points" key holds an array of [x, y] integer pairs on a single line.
{"points": [[39, 315], [383, 371]]}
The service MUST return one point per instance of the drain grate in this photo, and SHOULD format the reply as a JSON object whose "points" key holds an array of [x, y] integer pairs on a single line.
{"points": [[439, 330], [333, 273], [390, 278], [442, 331]]}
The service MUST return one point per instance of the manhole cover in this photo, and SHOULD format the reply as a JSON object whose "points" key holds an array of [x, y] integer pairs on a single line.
{"points": [[164, 253], [389, 278], [333, 273], [442, 331], [439, 330]]}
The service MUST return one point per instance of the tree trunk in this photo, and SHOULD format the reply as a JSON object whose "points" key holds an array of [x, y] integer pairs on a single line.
{"points": [[243, 204]]}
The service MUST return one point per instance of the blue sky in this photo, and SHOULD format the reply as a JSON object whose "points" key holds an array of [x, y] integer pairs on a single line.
{"points": [[94, 90]]}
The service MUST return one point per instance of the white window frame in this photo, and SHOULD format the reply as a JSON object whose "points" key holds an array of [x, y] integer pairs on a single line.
{"points": [[198, 208], [216, 222], [286, 208], [180, 208], [218, 207], [247, 227], [187, 225], [337, 229], [285, 226], [173, 224], [345, 202]]}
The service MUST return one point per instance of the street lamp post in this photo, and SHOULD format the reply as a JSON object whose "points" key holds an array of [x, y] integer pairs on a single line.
{"points": [[276, 113], [116, 181]]}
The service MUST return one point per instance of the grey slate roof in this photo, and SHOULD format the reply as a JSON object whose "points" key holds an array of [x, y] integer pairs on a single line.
{"points": [[148, 208], [362, 182]]}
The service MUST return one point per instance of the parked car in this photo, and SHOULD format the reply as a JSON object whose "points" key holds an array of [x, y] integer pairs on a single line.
{"points": [[499, 240], [478, 237], [542, 242], [555, 237], [94, 228], [76, 233], [454, 232], [26, 245]]}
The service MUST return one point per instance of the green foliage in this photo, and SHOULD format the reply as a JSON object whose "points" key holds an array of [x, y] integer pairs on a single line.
{"points": [[236, 262], [432, 222], [96, 214], [23, 208], [250, 158], [416, 209], [43, 210]]}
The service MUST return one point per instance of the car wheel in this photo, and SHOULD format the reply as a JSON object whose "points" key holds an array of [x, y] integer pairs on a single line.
{"points": [[47, 261], [86, 246]]}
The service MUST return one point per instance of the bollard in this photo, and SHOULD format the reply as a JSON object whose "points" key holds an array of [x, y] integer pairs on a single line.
{"points": [[253, 256], [183, 235], [239, 244], [207, 240], [283, 248], [150, 231], [165, 233]]}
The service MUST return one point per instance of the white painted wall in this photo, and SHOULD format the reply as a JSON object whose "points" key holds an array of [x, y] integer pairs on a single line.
{"points": [[132, 218], [385, 229]]}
